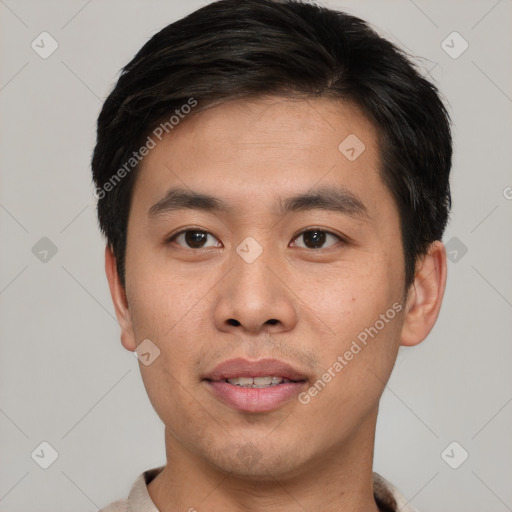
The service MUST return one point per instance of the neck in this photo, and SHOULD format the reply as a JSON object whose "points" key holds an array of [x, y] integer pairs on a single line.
{"points": [[339, 480]]}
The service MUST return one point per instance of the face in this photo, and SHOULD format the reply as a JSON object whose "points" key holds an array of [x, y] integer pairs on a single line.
{"points": [[295, 257]]}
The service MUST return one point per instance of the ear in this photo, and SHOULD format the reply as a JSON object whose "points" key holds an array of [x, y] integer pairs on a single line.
{"points": [[425, 295], [120, 301]]}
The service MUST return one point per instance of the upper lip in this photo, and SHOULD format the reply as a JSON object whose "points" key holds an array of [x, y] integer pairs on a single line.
{"points": [[240, 367]]}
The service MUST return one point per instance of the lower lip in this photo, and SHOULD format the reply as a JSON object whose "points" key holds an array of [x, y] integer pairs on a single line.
{"points": [[255, 399]]}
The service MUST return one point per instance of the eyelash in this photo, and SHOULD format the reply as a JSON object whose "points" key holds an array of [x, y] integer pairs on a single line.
{"points": [[342, 239]]}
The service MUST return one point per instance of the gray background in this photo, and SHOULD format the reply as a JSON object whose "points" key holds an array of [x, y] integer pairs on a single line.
{"points": [[64, 376]]}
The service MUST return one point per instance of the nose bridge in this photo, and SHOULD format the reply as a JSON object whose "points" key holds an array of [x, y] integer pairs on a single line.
{"points": [[251, 261], [252, 294], [250, 250]]}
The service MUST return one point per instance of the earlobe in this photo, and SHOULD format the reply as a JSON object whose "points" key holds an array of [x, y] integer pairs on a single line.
{"points": [[120, 300], [425, 295]]}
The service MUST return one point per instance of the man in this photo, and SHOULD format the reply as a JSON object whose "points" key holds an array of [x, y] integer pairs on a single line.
{"points": [[273, 183]]}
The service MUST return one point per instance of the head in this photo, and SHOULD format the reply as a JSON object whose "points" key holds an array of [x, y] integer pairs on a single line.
{"points": [[243, 124]]}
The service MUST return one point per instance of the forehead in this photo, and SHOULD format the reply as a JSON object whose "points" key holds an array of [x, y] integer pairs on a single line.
{"points": [[284, 127], [250, 152]]}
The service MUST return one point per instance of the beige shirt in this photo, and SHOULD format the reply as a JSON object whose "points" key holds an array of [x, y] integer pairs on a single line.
{"points": [[386, 495]]}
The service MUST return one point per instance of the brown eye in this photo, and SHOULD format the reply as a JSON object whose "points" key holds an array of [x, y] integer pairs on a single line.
{"points": [[193, 239], [316, 238]]}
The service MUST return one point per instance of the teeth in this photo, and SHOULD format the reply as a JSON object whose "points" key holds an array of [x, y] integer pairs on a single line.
{"points": [[262, 381], [245, 381], [257, 382]]}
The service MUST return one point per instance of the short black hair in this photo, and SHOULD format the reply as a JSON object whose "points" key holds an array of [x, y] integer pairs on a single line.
{"points": [[234, 49]]}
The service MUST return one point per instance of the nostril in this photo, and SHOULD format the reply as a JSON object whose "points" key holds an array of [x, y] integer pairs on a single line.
{"points": [[236, 323]]}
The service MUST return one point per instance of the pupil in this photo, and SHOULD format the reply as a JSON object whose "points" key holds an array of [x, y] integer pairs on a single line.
{"points": [[316, 237], [194, 238]]}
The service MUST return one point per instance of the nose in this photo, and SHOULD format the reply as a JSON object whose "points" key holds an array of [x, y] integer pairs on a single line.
{"points": [[255, 297]]}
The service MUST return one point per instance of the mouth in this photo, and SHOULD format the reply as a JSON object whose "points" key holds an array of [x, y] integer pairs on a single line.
{"points": [[255, 386], [257, 382]]}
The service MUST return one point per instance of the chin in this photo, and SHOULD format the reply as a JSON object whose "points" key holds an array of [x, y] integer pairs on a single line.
{"points": [[262, 463]]}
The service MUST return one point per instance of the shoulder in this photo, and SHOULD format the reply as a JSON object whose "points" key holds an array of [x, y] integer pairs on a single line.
{"points": [[138, 499], [116, 506]]}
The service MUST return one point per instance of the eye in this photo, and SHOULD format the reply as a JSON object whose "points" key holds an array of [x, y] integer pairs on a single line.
{"points": [[316, 238], [198, 239], [193, 239]]}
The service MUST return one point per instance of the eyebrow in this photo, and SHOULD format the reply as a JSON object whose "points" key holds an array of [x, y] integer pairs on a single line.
{"points": [[335, 199]]}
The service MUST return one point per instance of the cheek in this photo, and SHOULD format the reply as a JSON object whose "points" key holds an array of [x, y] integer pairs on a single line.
{"points": [[356, 366], [357, 313], [172, 397], [163, 303], [349, 297], [174, 325]]}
